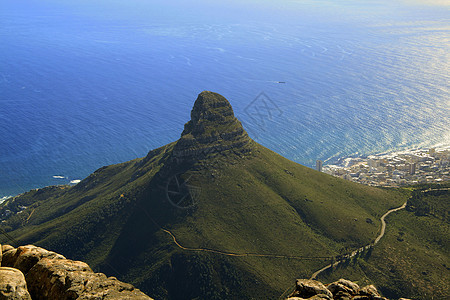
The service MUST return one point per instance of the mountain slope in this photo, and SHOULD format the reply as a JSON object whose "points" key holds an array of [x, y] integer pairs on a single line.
{"points": [[213, 189], [413, 258]]}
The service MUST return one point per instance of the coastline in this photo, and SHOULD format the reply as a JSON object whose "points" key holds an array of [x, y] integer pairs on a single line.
{"points": [[337, 164], [340, 161], [395, 168], [3, 199]]}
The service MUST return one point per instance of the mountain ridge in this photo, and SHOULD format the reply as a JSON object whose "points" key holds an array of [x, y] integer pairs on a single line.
{"points": [[212, 191]]}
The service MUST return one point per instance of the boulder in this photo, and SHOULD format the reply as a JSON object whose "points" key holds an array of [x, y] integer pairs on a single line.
{"points": [[13, 285], [369, 290], [55, 278], [320, 297], [6, 248], [59, 279], [342, 295], [315, 297], [307, 288], [349, 284], [343, 285], [51, 276], [335, 288], [25, 257], [8, 258], [339, 290]]}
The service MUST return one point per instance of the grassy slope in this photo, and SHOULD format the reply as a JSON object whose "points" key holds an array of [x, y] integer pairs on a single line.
{"points": [[413, 259], [65, 218], [263, 203]]}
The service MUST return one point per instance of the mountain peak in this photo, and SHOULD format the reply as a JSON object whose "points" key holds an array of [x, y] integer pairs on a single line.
{"points": [[210, 111], [209, 105], [212, 128]]}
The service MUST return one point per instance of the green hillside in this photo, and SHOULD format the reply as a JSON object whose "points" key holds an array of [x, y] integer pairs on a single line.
{"points": [[250, 221], [414, 257]]}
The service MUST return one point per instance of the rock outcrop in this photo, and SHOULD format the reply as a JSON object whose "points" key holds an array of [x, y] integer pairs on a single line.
{"points": [[212, 128], [25, 257], [13, 284], [49, 275], [340, 290], [309, 288]]}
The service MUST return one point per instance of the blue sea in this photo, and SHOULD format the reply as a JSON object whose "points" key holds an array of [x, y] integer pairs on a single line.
{"points": [[90, 83]]}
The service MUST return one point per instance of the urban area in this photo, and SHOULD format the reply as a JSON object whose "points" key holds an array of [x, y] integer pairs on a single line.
{"points": [[393, 169]]}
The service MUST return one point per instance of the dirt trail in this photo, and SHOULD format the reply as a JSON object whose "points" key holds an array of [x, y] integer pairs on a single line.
{"points": [[377, 239], [240, 254]]}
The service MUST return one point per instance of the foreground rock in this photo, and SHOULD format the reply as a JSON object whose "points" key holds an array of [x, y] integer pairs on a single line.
{"points": [[307, 288], [57, 278], [50, 276], [25, 257], [13, 285], [341, 290]]}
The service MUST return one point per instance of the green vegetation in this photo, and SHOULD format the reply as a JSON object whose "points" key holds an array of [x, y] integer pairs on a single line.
{"points": [[247, 198], [260, 203], [413, 258]]}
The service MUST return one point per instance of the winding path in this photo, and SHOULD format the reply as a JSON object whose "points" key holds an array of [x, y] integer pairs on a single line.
{"points": [[383, 222], [240, 254], [235, 254], [382, 231], [352, 254], [378, 238]]}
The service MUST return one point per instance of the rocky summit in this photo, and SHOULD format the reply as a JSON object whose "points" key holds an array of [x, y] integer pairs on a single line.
{"points": [[212, 128]]}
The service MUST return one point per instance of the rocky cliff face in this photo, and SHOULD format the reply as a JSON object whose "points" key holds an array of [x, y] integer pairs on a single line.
{"points": [[212, 128], [30, 272], [340, 290]]}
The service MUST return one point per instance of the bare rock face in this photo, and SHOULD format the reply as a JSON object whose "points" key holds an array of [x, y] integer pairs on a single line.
{"points": [[67, 279], [315, 297], [51, 276], [370, 290], [344, 287], [25, 257], [6, 248], [307, 288], [13, 285], [340, 290], [212, 128]]}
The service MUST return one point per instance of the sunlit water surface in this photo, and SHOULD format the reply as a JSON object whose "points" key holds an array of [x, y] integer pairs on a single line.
{"points": [[89, 83]]}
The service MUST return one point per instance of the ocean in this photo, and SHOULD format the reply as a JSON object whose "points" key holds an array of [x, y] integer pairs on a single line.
{"points": [[85, 84]]}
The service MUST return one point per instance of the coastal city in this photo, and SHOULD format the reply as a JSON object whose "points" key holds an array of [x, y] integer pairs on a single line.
{"points": [[393, 169]]}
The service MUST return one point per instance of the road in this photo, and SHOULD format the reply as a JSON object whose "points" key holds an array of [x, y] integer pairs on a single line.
{"points": [[383, 222], [226, 253], [352, 254], [240, 254]]}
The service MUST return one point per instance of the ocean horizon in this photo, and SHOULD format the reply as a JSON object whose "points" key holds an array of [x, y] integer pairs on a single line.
{"points": [[85, 84]]}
